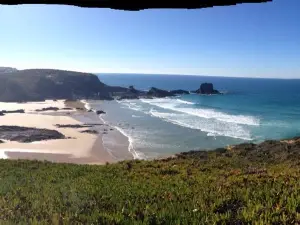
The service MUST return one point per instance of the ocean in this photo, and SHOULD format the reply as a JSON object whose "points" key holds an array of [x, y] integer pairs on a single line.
{"points": [[251, 110]]}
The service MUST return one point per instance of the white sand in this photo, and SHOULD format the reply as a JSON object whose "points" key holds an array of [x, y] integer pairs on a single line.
{"points": [[78, 147], [82, 148], [31, 106]]}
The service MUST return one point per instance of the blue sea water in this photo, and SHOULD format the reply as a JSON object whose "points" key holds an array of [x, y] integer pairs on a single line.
{"points": [[250, 110]]}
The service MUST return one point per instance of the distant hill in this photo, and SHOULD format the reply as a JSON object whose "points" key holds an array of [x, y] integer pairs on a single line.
{"points": [[41, 84], [7, 69]]}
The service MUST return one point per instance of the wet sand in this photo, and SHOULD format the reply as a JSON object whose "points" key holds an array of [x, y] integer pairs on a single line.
{"points": [[82, 148]]}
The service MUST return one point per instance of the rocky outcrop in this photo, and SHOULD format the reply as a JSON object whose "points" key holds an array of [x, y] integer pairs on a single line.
{"points": [[73, 125], [47, 109], [52, 109], [131, 93], [99, 112], [90, 131], [159, 93], [132, 90], [12, 111], [28, 134], [154, 92], [207, 89], [180, 92], [128, 96]]}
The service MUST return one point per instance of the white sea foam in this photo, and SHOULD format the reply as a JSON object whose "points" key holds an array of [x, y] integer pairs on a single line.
{"points": [[87, 106], [212, 127], [185, 102], [135, 154], [132, 105], [215, 123], [172, 104], [135, 116], [3, 155]]}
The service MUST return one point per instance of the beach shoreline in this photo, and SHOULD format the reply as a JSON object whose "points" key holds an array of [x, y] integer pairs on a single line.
{"points": [[81, 148]]}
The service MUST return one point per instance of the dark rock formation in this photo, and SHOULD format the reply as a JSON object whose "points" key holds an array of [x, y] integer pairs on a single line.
{"points": [[47, 109], [2, 114], [128, 96], [131, 93], [180, 92], [52, 109], [1, 141], [86, 125], [12, 111], [116, 91], [99, 112], [90, 131], [28, 134], [137, 5], [131, 89], [73, 125], [207, 89], [159, 93]]}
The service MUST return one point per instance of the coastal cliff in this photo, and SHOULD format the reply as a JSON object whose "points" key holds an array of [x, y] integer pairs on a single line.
{"points": [[7, 69], [41, 84]]}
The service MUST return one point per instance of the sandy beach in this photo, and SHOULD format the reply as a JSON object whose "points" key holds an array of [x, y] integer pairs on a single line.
{"points": [[81, 148]]}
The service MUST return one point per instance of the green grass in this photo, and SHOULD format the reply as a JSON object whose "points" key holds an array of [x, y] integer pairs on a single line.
{"points": [[222, 187]]}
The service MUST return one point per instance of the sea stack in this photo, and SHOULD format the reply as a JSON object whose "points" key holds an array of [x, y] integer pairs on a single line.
{"points": [[207, 89], [159, 93]]}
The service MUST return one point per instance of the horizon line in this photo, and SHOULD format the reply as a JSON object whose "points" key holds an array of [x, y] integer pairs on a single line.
{"points": [[195, 75], [165, 74]]}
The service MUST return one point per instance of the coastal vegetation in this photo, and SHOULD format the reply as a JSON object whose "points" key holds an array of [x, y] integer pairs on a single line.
{"points": [[243, 184]]}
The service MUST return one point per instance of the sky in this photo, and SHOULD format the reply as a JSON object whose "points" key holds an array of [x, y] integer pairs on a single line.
{"points": [[246, 40]]}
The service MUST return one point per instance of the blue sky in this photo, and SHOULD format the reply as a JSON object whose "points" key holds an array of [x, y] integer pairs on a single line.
{"points": [[251, 40]]}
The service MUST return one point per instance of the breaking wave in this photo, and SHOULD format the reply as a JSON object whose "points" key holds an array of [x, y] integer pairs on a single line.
{"points": [[186, 114], [172, 104]]}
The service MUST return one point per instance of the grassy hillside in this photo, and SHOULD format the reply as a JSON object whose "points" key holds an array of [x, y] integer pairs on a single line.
{"points": [[246, 184]]}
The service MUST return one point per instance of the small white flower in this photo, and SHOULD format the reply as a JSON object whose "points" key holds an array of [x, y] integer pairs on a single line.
{"points": [[195, 210]]}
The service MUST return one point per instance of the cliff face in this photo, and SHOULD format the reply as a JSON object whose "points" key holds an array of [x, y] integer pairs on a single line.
{"points": [[41, 84], [7, 69]]}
